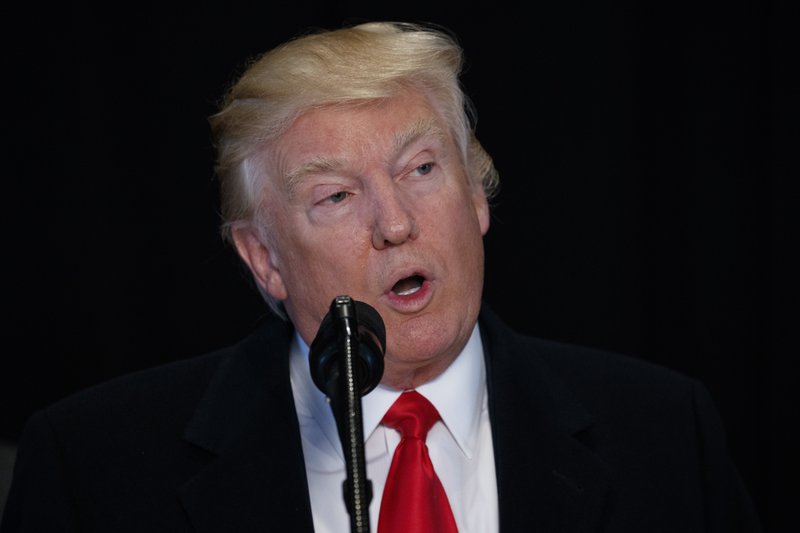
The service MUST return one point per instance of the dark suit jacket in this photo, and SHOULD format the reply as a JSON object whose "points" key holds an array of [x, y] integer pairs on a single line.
{"points": [[584, 441]]}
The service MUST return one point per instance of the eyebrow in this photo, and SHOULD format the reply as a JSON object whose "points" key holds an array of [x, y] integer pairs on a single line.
{"points": [[421, 128], [325, 164], [315, 165]]}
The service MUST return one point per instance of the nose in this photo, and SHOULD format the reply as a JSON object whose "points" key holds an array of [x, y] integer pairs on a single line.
{"points": [[394, 220]]}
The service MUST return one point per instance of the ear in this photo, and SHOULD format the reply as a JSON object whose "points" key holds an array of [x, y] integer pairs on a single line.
{"points": [[481, 205], [257, 255]]}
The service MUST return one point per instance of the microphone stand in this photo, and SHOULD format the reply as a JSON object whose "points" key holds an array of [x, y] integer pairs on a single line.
{"points": [[357, 488]]}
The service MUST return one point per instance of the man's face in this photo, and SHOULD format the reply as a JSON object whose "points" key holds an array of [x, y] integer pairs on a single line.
{"points": [[374, 202]]}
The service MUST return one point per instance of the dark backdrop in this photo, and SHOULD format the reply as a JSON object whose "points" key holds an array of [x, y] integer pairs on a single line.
{"points": [[644, 154]]}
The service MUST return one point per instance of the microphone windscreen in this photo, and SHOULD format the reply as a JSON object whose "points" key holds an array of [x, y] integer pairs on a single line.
{"points": [[327, 348]]}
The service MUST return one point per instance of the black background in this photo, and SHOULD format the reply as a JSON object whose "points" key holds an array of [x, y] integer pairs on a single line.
{"points": [[644, 151]]}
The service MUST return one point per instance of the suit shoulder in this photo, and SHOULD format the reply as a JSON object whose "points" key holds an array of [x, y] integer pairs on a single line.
{"points": [[167, 394], [172, 386], [587, 362], [590, 371]]}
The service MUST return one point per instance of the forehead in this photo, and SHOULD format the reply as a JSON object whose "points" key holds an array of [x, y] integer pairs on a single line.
{"points": [[342, 135]]}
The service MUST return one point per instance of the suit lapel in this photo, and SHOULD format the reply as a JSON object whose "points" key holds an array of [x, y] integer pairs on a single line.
{"points": [[247, 420], [549, 478]]}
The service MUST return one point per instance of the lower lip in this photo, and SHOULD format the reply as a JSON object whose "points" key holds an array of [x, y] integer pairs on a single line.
{"points": [[412, 302]]}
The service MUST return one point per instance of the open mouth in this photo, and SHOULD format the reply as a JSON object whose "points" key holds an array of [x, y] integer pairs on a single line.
{"points": [[408, 286]]}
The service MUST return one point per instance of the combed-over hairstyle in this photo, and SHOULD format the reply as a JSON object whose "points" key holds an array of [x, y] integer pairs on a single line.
{"points": [[346, 66]]}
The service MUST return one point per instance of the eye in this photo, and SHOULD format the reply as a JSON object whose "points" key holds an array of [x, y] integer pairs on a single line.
{"points": [[336, 198], [424, 169]]}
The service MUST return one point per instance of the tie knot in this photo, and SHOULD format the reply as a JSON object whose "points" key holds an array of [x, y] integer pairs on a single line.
{"points": [[412, 415]]}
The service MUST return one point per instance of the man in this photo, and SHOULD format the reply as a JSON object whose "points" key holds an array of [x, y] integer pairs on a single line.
{"points": [[349, 166]]}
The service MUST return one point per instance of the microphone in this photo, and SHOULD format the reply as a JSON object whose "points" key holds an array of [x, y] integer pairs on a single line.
{"points": [[348, 323], [346, 362]]}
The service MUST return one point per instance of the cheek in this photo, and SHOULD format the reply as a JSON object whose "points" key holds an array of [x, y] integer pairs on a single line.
{"points": [[321, 266], [468, 217], [466, 236]]}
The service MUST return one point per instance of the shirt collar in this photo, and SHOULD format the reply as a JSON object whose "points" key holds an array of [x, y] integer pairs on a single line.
{"points": [[458, 394]]}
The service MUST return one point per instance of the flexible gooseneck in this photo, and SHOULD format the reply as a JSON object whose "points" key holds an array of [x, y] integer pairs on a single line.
{"points": [[346, 362]]}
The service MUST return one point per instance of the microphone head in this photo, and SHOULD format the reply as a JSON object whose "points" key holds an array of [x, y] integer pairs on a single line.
{"points": [[325, 352]]}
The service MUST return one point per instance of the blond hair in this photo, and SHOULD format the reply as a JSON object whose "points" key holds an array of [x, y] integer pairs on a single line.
{"points": [[350, 65], [347, 66]]}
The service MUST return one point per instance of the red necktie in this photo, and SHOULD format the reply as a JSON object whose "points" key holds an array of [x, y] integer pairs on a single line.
{"points": [[414, 500]]}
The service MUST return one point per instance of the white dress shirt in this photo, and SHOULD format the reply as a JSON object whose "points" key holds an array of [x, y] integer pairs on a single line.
{"points": [[460, 444]]}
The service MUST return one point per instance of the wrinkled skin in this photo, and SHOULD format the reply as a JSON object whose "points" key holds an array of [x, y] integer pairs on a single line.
{"points": [[373, 201]]}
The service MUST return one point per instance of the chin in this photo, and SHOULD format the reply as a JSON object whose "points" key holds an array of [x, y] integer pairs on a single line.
{"points": [[423, 340]]}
